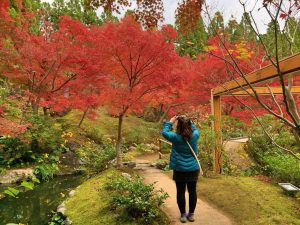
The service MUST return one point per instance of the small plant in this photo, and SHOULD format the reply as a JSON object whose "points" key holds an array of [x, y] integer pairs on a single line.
{"points": [[58, 219], [96, 157], [13, 151], [45, 172], [139, 200]]}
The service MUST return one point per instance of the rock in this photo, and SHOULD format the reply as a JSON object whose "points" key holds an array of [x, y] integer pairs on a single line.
{"points": [[130, 164], [15, 176], [132, 148], [126, 175], [69, 158], [72, 145], [68, 221], [72, 193], [61, 208]]}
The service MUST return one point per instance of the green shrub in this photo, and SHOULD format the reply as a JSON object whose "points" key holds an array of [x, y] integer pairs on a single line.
{"points": [[139, 200], [13, 151], [45, 172], [96, 157], [58, 219], [271, 160], [233, 127], [206, 146], [283, 167], [45, 134]]}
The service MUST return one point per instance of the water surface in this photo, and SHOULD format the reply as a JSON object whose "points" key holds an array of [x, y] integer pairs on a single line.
{"points": [[34, 207]]}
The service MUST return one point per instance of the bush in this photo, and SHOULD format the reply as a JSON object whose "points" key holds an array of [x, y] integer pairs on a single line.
{"points": [[96, 157], [233, 127], [139, 200], [45, 134], [271, 160], [206, 146], [13, 151], [45, 172], [282, 167], [58, 219]]}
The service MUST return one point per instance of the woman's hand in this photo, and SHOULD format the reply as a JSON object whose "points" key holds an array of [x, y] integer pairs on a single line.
{"points": [[173, 119]]}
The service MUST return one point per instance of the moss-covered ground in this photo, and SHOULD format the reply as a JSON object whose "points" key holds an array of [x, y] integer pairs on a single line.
{"points": [[250, 201], [135, 130], [91, 203]]}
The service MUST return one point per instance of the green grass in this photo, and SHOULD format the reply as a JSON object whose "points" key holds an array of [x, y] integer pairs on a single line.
{"points": [[135, 130], [250, 201], [91, 202]]}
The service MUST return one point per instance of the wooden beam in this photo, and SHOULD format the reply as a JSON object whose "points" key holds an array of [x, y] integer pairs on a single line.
{"points": [[216, 109], [287, 66], [264, 91]]}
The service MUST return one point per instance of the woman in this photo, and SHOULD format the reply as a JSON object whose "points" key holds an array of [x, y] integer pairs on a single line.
{"points": [[184, 165]]}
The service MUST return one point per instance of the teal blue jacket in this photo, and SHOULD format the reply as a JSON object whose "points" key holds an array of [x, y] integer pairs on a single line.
{"points": [[181, 158]]}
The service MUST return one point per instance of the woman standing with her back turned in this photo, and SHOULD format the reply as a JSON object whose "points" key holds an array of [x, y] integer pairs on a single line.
{"points": [[184, 165]]}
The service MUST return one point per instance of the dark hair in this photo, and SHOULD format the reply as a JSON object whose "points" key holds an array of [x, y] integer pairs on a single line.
{"points": [[184, 127]]}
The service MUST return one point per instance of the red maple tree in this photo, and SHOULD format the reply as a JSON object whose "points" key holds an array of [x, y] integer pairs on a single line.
{"points": [[139, 64]]}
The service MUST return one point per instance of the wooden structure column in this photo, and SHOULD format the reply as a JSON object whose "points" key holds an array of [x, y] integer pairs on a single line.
{"points": [[216, 109]]}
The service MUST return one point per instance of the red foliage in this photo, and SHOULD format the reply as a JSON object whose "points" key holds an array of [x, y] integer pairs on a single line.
{"points": [[138, 64]]}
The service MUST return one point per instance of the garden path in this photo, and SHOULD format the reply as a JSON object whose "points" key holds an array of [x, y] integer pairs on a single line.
{"points": [[205, 214]]}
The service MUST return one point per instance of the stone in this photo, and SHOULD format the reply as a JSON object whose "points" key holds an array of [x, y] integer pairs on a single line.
{"points": [[15, 175], [72, 145], [61, 208], [68, 221], [132, 148], [72, 193], [126, 175]]}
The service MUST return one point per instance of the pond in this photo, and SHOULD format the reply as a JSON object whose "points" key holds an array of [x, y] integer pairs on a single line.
{"points": [[34, 207]]}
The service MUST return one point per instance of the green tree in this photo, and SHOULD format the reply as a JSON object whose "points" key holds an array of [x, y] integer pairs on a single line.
{"points": [[77, 9], [192, 43], [216, 24]]}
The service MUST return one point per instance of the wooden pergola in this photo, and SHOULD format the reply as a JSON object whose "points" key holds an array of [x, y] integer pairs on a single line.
{"points": [[241, 87]]}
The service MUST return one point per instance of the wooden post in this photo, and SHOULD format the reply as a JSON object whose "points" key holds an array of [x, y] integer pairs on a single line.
{"points": [[216, 110], [159, 151]]}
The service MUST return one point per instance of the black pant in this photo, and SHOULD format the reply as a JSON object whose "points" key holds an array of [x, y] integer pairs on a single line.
{"points": [[191, 186]]}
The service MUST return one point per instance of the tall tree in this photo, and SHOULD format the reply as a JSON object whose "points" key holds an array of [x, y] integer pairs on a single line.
{"points": [[139, 64], [77, 9], [216, 25], [44, 63], [188, 15], [109, 6], [149, 13]]}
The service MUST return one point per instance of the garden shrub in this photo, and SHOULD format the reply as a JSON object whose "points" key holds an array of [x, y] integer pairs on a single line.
{"points": [[206, 146], [271, 160], [94, 156], [139, 200], [58, 219], [45, 134], [13, 151], [45, 172], [233, 127]]}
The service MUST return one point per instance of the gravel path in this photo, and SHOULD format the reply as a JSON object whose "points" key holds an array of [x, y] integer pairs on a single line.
{"points": [[205, 214]]}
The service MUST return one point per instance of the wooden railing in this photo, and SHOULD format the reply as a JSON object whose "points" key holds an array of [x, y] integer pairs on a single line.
{"points": [[160, 141]]}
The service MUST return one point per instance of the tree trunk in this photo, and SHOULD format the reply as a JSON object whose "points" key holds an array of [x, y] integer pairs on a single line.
{"points": [[165, 114], [35, 108], [118, 144], [296, 134], [83, 116], [45, 110]]}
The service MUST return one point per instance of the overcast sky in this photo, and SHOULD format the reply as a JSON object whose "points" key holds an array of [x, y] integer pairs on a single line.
{"points": [[227, 7]]}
